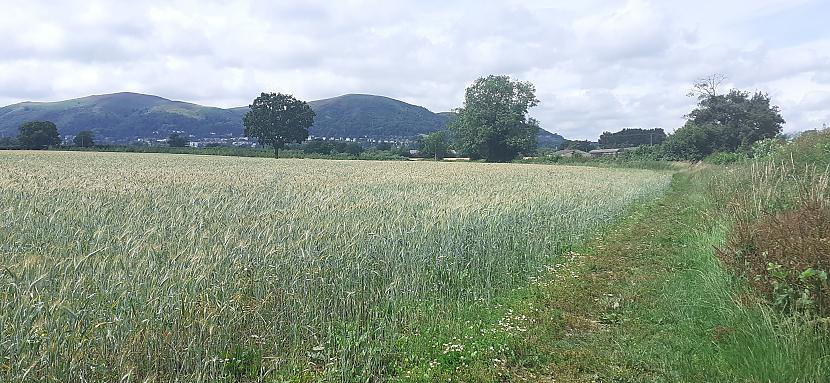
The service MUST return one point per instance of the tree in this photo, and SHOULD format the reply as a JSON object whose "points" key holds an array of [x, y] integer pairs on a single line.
{"points": [[352, 149], [707, 86], [493, 124], [38, 135], [435, 144], [628, 137], [585, 146], [84, 139], [383, 146], [177, 141], [725, 123], [276, 119], [9, 143], [318, 147]]}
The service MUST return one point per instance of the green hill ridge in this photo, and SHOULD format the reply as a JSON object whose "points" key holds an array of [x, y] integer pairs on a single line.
{"points": [[125, 116]]}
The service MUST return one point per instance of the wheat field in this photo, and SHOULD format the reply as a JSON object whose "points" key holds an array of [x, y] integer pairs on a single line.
{"points": [[157, 268]]}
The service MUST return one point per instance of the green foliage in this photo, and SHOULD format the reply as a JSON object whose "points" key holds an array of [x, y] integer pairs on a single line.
{"points": [[177, 141], [691, 143], [383, 146], [318, 146], [493, 124], [629, 137], [84, 139], [767, 147], [811, 147], [38, 135], [9, 143], [725, 158], [584, 145], [724, 123], [242, 363], [779, 207], [348, 148], [276, 119], [435, 145], [644, 153]]}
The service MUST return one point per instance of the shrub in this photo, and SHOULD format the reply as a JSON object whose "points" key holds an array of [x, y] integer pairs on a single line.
{"points": [[780, 210], [767, 147], [725, 158], [785, 256]]}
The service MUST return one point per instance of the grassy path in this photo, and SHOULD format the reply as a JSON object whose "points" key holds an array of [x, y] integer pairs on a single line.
{"points": [[648, 302]]}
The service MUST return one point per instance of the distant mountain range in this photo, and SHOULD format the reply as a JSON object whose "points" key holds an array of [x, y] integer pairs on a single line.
{"points": [[126, 116]]}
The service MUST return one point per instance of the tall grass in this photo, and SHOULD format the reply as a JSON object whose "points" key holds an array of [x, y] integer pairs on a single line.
{"points": [[158, 268], [777, 215]]}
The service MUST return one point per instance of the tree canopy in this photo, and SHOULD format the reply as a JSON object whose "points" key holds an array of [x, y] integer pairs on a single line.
{"points": [[629, 137], [583, 145], [435, 144], [38, 135], [84, 139], [276, 119], [493, 124], [724, 123], [177, 141]]}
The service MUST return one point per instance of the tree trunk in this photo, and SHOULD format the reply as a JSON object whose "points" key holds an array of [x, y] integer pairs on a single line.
{"points": [[276, 152]]}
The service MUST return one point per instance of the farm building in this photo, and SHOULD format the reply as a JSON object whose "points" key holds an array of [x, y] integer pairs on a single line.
{"points": [[605, 152], [571, 153]]}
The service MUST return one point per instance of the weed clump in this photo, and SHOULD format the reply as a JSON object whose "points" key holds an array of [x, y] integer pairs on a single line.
{"points": [[786, 257]]}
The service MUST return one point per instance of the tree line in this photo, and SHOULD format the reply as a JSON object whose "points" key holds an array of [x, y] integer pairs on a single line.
{"points": [[494, 125]]}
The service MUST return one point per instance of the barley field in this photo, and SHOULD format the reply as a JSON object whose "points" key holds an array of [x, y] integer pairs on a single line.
{"points": [[157, 268]]}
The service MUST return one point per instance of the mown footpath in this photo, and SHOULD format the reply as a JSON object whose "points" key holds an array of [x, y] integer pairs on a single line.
{"points": [[648, 301]]}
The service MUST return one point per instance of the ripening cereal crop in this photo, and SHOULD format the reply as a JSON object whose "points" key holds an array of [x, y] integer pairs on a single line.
{"points": [[133, 267]]}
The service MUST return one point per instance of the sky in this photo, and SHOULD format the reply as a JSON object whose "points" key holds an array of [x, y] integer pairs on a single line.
{"points": [[596, 65]]}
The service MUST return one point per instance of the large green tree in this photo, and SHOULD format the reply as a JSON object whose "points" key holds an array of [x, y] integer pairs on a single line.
{"points": [[84, 139], [177, 141], [435, 144], [724, 123], [38, 135], [631, 137], [494, 123], [276, 119]]}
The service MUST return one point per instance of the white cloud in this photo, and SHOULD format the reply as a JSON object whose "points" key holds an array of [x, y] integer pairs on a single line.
{"points": [[597, 65]]}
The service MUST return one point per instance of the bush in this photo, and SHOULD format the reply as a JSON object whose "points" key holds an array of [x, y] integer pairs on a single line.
{"points": [[318, 147], [767, 148], [786, 257], [780, 212], [725, 158]]}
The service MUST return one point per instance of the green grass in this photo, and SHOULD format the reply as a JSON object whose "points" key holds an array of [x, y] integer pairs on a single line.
{"points": [[649, 302], [158, 268]]}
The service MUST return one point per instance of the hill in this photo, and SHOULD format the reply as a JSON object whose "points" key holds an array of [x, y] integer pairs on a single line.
{"points": [[361, 115], [125, 116]]}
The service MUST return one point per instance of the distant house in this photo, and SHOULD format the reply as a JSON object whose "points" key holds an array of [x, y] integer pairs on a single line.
{"points": [[571, 153], [605, 152], [610, 152]]}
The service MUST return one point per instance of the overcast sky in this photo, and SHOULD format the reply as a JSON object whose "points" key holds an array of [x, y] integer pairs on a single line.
{"points": [[597, 65]]}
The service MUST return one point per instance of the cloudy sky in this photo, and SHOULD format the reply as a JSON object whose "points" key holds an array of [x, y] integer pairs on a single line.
{"points": [[597, 64]]}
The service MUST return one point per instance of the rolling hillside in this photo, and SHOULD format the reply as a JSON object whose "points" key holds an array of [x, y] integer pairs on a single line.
{"points": [[122, 116], [125, 116]]}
